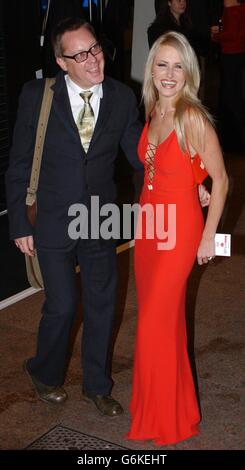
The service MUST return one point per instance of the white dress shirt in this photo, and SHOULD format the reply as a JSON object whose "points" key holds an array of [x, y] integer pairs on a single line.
{"points": [[77, 102]]}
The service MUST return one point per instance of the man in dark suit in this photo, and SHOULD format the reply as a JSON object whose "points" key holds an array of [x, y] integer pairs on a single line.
{"points": [[69, 175]]}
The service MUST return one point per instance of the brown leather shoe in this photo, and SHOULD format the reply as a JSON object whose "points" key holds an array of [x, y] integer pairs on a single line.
{"points": [[105, 404], [46, 393]]}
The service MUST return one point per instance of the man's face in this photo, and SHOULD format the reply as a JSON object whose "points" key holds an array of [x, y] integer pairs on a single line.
{"points": [[85, 74]]}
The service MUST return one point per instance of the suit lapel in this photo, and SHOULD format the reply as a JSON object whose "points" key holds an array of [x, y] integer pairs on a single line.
{"points": [[62, 105], [106, 106]]}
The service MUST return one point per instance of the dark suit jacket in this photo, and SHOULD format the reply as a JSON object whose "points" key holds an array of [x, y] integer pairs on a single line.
{"points": [[68, 175]]}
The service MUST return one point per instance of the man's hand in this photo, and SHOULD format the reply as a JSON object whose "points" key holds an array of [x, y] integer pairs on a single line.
{"points": [[204, 195], [25, 244]]}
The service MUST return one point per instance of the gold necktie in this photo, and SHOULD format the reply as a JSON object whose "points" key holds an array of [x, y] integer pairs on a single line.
{"points": [[86, 120]]}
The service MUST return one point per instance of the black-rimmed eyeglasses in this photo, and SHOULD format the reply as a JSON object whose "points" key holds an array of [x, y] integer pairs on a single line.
{"points": [[82, 56]]}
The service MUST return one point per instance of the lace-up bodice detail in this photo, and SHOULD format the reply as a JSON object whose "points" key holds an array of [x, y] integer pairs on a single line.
{"points": [[167, 168], [150, 166]]}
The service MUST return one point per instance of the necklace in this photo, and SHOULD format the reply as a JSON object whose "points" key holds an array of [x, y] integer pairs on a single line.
{"points": [[163, 113]]}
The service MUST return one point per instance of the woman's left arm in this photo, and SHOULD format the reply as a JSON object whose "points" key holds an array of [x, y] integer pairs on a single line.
{"points": [[212, 158]]}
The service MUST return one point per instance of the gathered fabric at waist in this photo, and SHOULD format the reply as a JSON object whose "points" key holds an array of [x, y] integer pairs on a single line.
{"points": [[155, 195], [168, 190]]}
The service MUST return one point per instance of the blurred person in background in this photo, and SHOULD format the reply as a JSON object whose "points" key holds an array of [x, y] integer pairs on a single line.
{"points": [[172, 15], [230, 35]]}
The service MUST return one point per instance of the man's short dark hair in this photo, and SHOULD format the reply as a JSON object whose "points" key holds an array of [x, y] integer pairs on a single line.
{"points": [[68, 24]]}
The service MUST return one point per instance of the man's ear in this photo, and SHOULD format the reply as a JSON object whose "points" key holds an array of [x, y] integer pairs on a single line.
{"points": [[61, 63]]}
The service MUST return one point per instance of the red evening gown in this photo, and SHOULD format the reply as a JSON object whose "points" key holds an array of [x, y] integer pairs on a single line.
{"points": [[163, 405]]}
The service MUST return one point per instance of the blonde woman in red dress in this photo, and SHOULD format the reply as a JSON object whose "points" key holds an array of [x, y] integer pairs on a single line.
{"points": [[164, 407]]}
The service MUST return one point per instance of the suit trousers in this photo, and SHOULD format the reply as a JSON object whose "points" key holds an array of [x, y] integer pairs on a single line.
{"points": [[98, 270]]}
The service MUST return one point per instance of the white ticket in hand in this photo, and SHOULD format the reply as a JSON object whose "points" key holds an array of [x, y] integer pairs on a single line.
{"points": [[222, 244]]}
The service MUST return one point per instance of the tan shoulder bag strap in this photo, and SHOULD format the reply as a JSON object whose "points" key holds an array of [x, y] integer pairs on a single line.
{"points": [[40, 136]]}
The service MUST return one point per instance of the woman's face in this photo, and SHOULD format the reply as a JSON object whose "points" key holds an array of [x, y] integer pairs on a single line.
{"points": [[177, 7], [168, 75]]}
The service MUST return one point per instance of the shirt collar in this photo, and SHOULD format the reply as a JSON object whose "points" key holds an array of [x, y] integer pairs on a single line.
{"points": [[96, 89]]}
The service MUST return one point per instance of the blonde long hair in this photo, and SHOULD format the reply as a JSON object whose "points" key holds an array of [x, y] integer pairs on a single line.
{"points": [[187, 101]]}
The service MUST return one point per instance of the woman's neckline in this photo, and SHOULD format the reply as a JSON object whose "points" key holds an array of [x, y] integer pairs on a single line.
{"points": [[163, 141]]}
